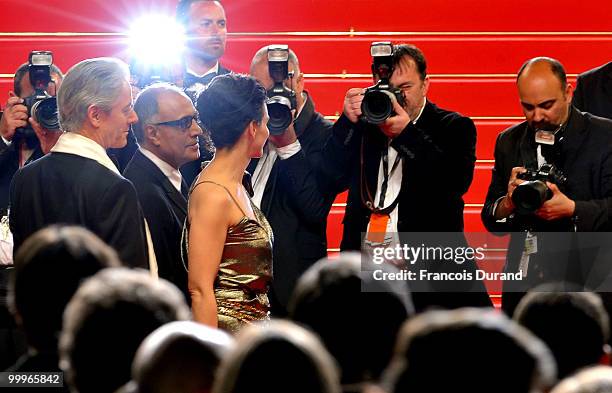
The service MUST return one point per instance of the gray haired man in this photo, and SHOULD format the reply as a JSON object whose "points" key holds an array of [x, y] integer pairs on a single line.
{"points": [[77, 183]]}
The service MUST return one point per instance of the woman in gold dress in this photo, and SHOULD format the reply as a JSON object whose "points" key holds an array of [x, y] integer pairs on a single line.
{"points": [[229, 240]]}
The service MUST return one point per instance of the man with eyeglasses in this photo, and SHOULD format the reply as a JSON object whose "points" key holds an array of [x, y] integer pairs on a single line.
{"points": [[168, 137]]}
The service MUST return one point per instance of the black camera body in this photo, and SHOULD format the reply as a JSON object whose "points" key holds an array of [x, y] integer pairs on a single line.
{"points": [[281, 99], [377, 104], [531, 194], [42, 107]]}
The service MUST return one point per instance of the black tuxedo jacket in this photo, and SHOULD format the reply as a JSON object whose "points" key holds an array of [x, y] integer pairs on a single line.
{"points": [[438, 155], [69, 189], [594, 91], [296, 201], [165, 209], [9, 164], [585, 156]]}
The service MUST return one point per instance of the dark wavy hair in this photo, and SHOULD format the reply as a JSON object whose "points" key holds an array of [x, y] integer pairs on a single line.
{"points": [[228, 105]]}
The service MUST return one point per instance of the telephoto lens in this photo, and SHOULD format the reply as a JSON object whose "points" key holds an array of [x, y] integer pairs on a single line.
{"points": [[530, 195]]}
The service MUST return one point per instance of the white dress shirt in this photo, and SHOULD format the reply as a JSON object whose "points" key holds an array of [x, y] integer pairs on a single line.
{"points": [[394, 184], [262, 171]]}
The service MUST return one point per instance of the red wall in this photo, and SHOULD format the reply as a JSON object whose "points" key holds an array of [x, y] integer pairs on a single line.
{"points": [[473, 47]]}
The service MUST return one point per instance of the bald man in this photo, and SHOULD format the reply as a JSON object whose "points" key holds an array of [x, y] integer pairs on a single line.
{"points": [[167, 133], [291, 186], [580, 145]]}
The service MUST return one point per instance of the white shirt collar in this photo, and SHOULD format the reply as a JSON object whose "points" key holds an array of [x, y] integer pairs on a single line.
{"points": [[305, 96], [77, 144], [214, 69], [420, 112], [171, 173]]}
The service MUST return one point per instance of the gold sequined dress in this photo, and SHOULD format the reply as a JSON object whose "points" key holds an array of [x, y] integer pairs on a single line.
{"points": [[245, 270]]}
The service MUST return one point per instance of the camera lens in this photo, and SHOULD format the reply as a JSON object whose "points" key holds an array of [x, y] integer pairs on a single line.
{"points": [[377, 106], [279, 110], [46, 114], [529, 196]]}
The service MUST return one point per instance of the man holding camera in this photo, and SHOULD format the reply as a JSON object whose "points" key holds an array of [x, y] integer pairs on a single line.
{"points": [[77, 183], [23, 140], [406, 165], [289, 180], [552, 173]]}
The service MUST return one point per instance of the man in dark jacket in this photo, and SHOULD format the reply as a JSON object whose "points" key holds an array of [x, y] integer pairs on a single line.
{"points": [[291, 186], [77, 183], [542, 247], [594, 91], [408, 174], [168, 137]]}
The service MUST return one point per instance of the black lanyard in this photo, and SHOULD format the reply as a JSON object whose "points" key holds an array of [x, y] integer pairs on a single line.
{"points": [[367, 200], [386, 176]]}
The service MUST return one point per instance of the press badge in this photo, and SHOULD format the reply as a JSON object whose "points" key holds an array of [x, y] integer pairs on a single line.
{"points": [[377, 228], [531, 247]]}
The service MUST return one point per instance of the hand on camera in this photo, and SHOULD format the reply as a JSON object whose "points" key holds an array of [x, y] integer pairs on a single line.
{"points": [[395, 124], [352, 104], [506, 206], [286, 138], [15, 115], [559, 206]]}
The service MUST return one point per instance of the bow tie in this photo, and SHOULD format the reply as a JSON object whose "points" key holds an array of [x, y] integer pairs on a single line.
{"points": [[191, 79]]}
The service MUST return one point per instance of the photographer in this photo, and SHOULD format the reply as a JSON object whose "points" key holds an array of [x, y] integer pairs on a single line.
{"points": [[573, 143], [289, 181], [28, 143], [406, 166]]}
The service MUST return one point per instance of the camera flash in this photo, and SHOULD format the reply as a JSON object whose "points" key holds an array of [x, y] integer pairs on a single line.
{"points": [[41, 58], [278, 53], [379, 49]]}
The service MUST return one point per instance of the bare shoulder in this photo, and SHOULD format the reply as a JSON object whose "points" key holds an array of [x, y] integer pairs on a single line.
{"points": [[210, 198]]}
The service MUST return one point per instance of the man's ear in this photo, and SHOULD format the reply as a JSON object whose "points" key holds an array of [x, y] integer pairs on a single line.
{"points": [[299, 82], [425, 85], [95, 115], [569, 92], [151, 133]]}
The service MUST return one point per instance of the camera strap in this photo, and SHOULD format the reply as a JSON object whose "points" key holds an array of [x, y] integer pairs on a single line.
{"points": [[386, 176], [368, 200]]}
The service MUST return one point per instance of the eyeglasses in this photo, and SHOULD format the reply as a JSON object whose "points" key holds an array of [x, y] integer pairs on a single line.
{"points": [[184, 123]]}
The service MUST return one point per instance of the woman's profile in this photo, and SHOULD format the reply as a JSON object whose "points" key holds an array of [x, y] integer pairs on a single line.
{"points": [[229, 241]]}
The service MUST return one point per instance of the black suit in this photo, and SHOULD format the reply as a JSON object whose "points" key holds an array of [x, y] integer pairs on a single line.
{"points": [[70, 189], [594, 91], [296, 201], [438, 163], [438, 156], [584, 153], [9, 164], [192, 169], [165, 209]]}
